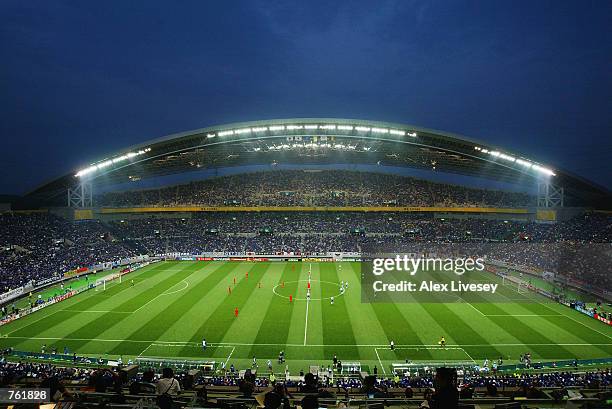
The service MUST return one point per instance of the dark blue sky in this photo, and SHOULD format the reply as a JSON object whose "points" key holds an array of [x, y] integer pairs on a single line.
{"points": [[79, 78]]}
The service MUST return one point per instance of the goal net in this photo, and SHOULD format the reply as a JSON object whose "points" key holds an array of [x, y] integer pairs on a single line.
{"points": [[100, 285], [102, 282], [515, 283]]}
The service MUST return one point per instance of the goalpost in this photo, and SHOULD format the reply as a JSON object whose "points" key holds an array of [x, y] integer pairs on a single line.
{"points": [[516, 283], [101, 283]]}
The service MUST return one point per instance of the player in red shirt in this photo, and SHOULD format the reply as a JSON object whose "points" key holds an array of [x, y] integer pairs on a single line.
{"points": [[236, 312], [290, 298]]}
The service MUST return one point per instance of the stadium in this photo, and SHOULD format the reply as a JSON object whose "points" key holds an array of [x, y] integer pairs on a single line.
{"points": [[253, 272]]}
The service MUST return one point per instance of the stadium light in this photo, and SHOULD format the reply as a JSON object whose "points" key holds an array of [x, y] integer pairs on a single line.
{"points": [[260, 129], [224, 133], [345, 128], [310, 126], [277, 128], [380, 130], [527, 164], [106, 163], [544, 170], [362, 128], [524, 163], [397, 132], [507, 157]]}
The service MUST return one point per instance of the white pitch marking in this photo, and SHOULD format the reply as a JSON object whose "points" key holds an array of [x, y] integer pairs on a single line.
{"points": [[99, 311], [306, 322], [145, 350], [228, 357], [523, 315], [380, 362], [180, 289], [230, 344]]}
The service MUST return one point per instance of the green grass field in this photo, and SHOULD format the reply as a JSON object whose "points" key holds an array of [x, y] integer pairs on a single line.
{"points": [[173, 305]]}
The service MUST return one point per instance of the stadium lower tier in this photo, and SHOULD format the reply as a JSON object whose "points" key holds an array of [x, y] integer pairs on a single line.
{"points": [[125, 387], [39, 246], [249, 312]]}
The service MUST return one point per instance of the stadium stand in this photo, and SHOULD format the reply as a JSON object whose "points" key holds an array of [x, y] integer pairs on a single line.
{"points": [[119, 387], [321, 188], [38, 246]]}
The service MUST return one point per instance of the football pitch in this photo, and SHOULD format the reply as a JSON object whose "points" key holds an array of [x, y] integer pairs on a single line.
{"points": [[173, 305]]}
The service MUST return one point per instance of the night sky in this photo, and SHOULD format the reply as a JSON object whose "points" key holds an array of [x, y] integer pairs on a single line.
{"points": [[80, 79]]}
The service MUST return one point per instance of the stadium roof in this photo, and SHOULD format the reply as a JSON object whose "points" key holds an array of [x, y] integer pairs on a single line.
{"points": [[318, 141]]}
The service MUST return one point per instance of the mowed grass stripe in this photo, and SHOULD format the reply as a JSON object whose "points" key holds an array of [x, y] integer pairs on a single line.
{"points": [[397, 328], [336, 325], [296, 326], [33, 329], [256, 305], [275, 326], [314, 329], [462, 332], [94, 328], [215, 327], [564, 328], [533, 330], [366, 327], [154, 327]]}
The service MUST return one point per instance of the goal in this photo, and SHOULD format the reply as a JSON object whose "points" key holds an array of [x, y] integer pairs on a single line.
{"points": [[515, 283], [101, 283]]}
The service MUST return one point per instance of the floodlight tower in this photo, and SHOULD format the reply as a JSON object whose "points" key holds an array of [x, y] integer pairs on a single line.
{"points": [[550, 195], [81, 195]]}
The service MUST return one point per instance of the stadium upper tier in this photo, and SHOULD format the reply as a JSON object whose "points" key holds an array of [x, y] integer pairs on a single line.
{"points": [[319, 141], [316, 188]]}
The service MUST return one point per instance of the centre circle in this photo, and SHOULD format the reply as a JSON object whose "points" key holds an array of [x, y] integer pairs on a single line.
{"points": [[326, 287]]}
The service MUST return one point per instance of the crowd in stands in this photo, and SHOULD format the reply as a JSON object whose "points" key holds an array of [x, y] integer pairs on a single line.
{"points": [[38, 246], [70, 384], [316, 188], [577, 249]]}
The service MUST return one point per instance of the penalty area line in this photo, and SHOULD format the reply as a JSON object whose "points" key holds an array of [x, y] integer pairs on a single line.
{"points": [[380, 362], [229, 356]]}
